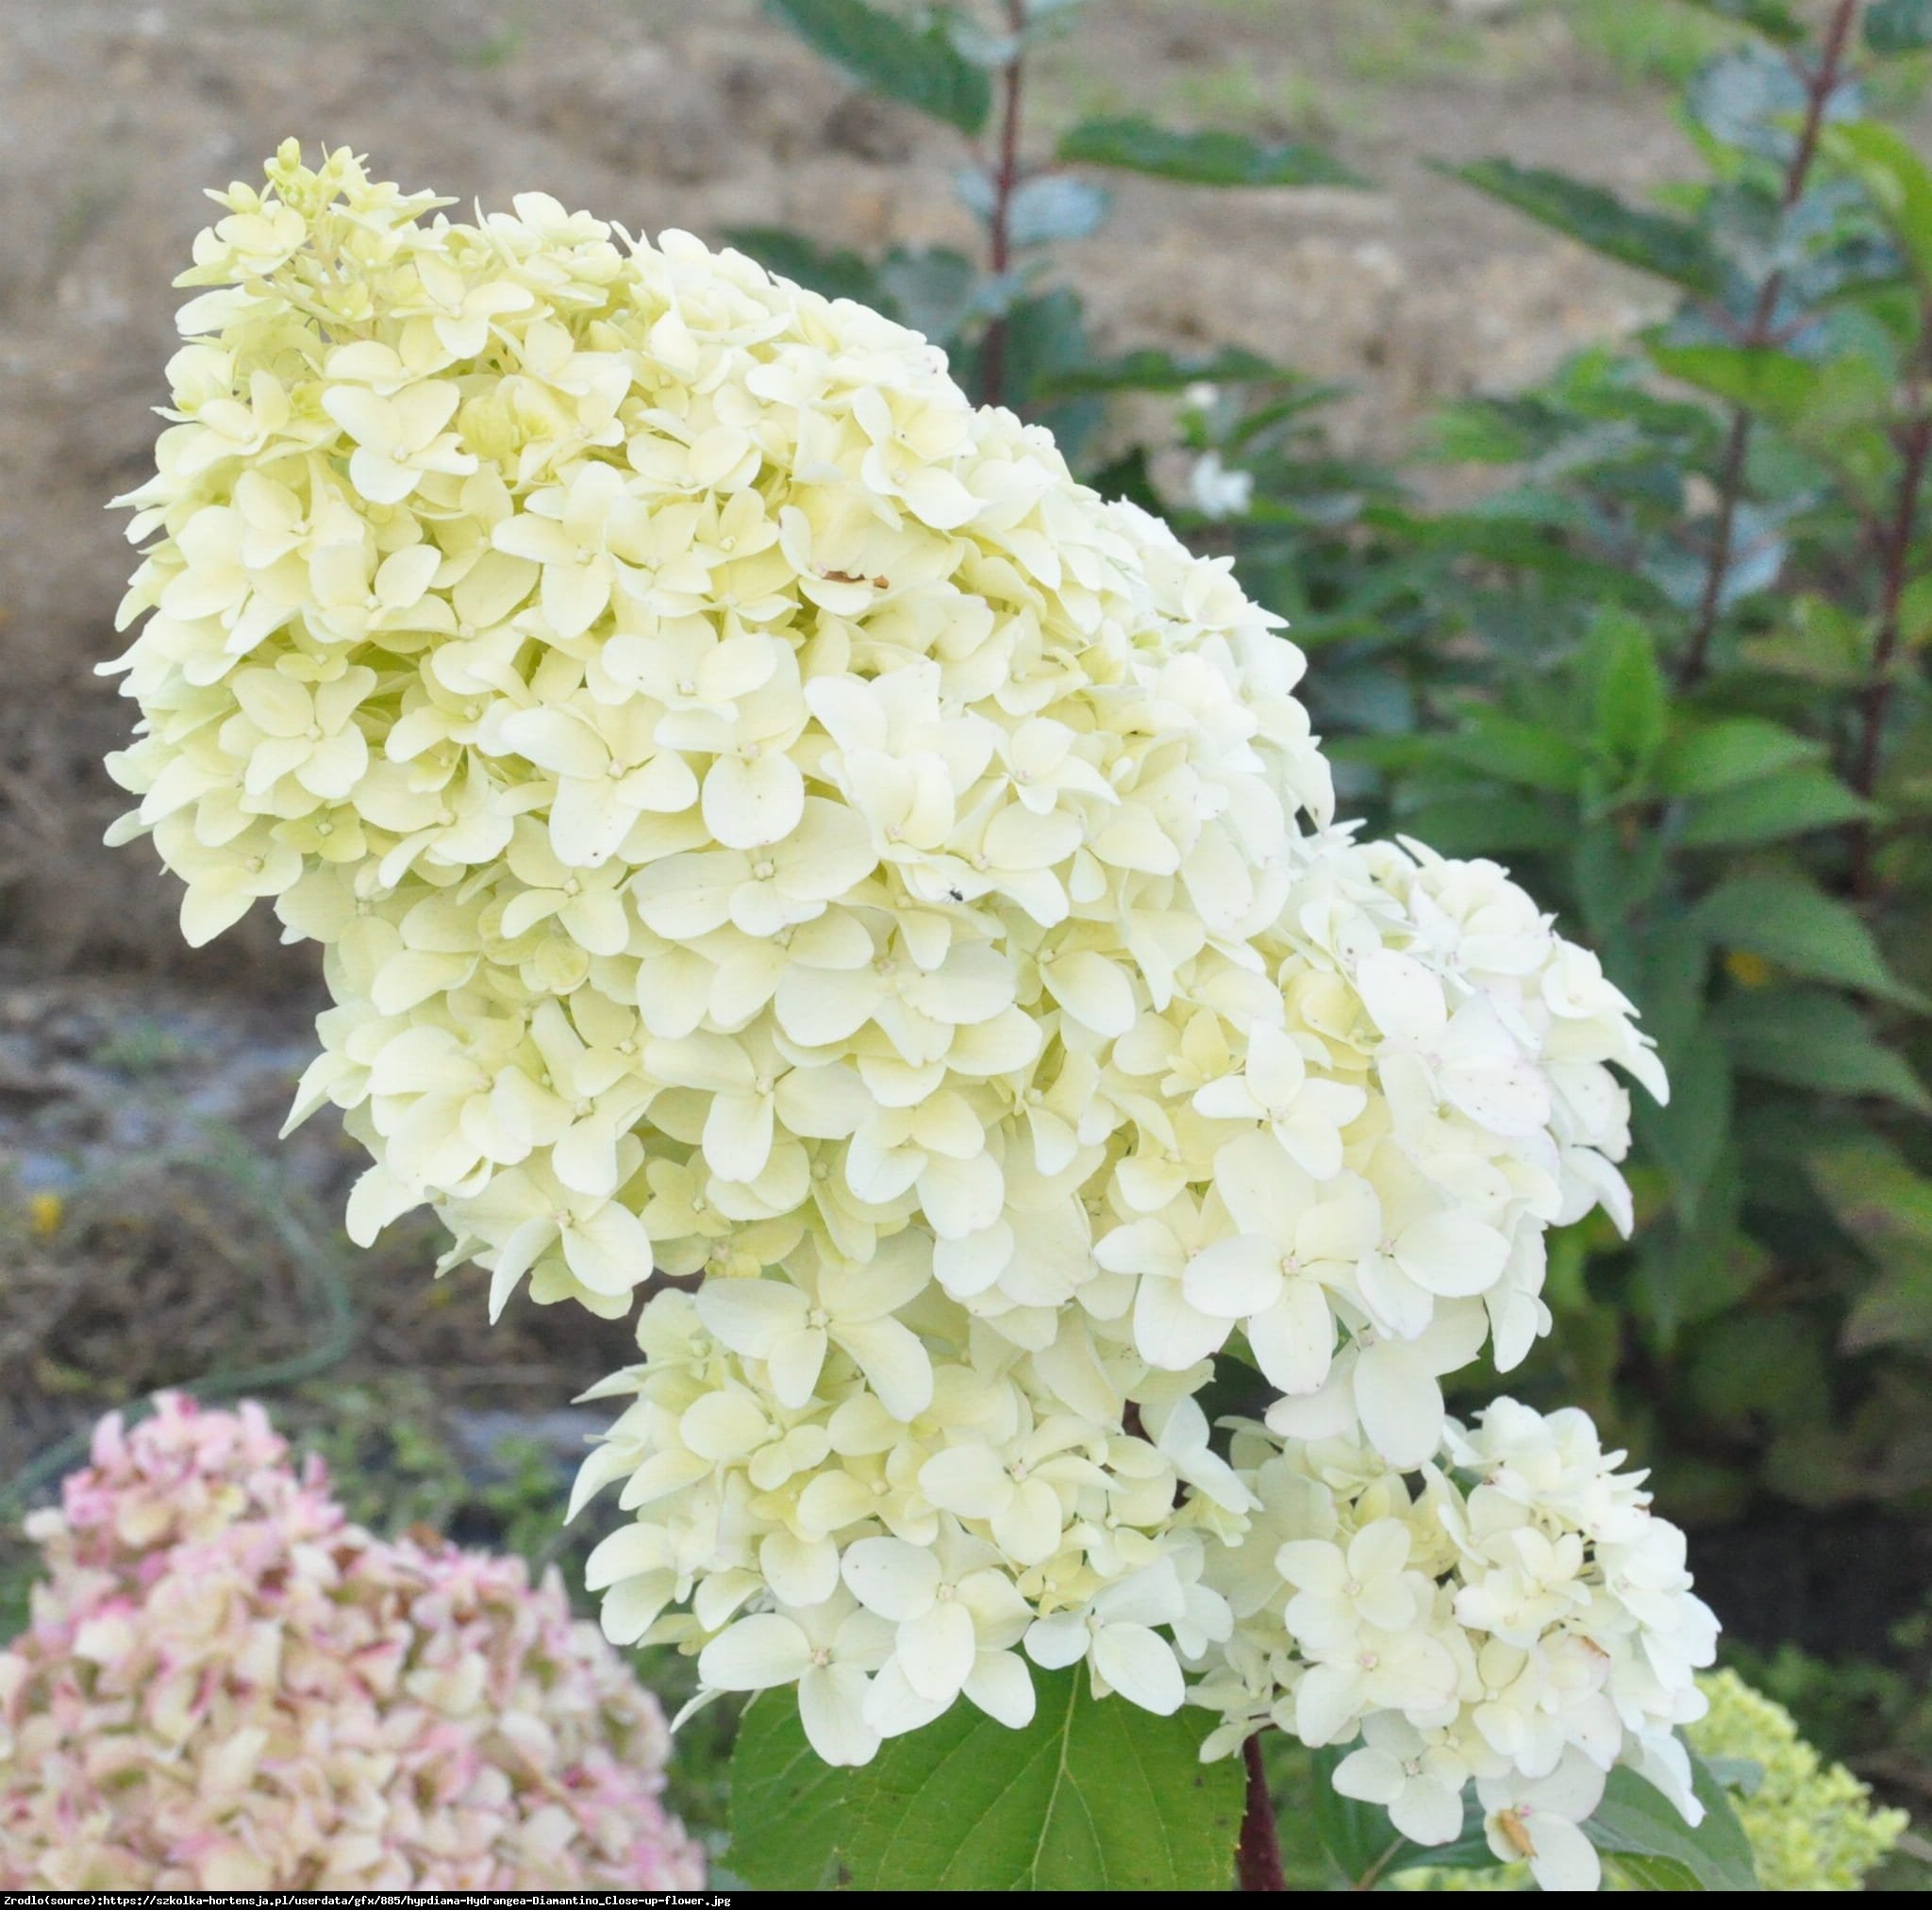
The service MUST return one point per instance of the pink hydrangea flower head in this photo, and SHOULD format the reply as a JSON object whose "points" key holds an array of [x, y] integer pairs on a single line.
{"points": [[225, 1685]]}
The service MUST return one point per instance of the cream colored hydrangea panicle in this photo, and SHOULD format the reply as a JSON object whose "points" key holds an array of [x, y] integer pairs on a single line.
{"points": [[766, 821], [227, 1685]]}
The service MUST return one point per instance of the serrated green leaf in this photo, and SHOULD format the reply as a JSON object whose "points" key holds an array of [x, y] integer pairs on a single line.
{"points": [[1806, 1039], [1899, 25], [1792, 803], [922, 69], [1636, 1821], [1774, 21], [1792, 922], [1093, 1795], [1668, 247], [1209, 159], [788, 1805], [1738, 749]]}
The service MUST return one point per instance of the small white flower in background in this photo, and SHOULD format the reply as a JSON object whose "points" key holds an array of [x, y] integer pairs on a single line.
{"points": [[773, 826], [1220, 490]]}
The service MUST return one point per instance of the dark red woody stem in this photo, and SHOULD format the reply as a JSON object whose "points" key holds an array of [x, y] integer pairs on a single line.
{"points": [[1257, 1856]]}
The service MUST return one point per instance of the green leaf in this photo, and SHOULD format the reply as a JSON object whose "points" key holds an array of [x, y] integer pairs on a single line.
{"points": [[1875, 1194], [1792, 803], [1055, 205], [933, 292], [1899, 25], [1772, 383], [1791, 922], [1513, 751], [1211, 159], [1154, 371], [1638, 1825], [1687, 1136], [923, 70], [1738, 749], [1628, 696], [1774, 21], [1806, 1039], [1489, 825], [1649, 241], [1898, 181], [1895, 1310], [1886, 1205], [1093, 1795], [788, 1806]]}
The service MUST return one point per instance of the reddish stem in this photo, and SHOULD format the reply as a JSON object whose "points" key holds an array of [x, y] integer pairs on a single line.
{"points": [[1873, 705], [1257, 1856], [1006, 182], [1818, 87]]}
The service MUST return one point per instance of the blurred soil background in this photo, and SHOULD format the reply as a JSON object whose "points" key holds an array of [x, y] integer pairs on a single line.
{"points": [[152, 1229]]}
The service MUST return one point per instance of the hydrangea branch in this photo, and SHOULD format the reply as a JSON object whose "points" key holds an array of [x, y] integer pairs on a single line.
{"points": [[1820, 83]]}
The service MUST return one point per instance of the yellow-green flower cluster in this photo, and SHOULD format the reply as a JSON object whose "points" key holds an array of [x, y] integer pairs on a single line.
{"points": [[1812, 1824], [767, 821]]}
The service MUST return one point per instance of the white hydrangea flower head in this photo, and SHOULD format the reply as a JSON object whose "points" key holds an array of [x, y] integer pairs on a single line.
{"points": [[769, 825]]}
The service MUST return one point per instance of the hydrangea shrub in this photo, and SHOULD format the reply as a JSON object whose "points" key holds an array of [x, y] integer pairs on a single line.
{"points": [[227, 1685], [769, 826]]}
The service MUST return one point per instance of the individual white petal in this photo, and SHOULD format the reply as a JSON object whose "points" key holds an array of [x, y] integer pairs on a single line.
{"points": [[890, 1577], [1001, 1686], [750, 1314], [1054, 1643], [936, 1649], [1293, 1340], [796, 1359], [1233, 1278], [1371, 1776], [832, 1708], [894, 1361], [801, 1571], [1141, 1665], [1426, 1813], [967, 1480], [756, 1652], [1400, 1404], [748, 802], [1027, 1527]]}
